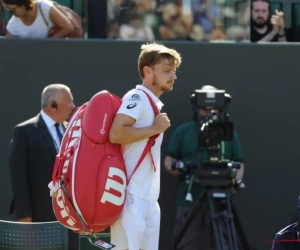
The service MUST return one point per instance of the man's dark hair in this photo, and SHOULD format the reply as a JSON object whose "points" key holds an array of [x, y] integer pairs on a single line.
{"points": [[263, 1], [28, 4]]}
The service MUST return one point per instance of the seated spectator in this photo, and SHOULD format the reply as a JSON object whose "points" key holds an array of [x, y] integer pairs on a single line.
{"points": [[236, 33], [196, 34], [35, 19], [175, 25], [135, 29], [206, 14], [266, 27], [217, 34], [113, 30]]}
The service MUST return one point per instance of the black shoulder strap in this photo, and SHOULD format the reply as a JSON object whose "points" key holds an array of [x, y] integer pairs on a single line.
{"points": [[40, 8]]}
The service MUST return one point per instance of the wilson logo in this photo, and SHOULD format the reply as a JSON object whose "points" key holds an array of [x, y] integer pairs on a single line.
{"points": [[75, 133], [64, 212], [114, 185]]}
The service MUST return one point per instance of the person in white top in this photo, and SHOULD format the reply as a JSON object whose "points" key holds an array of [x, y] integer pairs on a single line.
{"points": [[35, 19], [135, 122]]}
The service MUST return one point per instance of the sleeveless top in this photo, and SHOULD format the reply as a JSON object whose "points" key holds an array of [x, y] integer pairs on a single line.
{"points": [[38, 29]]}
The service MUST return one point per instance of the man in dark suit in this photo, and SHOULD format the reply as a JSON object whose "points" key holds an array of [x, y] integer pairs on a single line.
{"points": [[34, 146]]}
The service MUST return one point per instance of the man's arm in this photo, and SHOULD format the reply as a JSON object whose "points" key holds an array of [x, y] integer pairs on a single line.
{"points": [[278, 28], [18, 160], [122, 132], [240, 172], [237, 155], [61, 21], [268, 37], [271, 35], [281, 37]]}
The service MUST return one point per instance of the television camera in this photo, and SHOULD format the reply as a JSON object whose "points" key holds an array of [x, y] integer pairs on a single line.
{"points": [[215, 130], [216, 174]]}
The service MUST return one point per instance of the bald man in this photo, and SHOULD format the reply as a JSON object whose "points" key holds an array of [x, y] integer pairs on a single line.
{"points": [[33, 148]]}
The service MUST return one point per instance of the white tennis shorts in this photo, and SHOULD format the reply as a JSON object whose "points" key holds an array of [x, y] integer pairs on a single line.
{"points": [[138, 227]]}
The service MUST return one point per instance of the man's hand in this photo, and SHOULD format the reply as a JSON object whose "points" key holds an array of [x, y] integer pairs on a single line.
{"points": [[168, 166], [27, 219], [277, 21], [173, 172], [161, 123]]}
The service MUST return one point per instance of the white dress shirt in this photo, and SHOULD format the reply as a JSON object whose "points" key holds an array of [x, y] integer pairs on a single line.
{"points": [[50, 125]]}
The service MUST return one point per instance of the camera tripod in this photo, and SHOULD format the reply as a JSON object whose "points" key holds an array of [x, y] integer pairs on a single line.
{"points": [[226, 224]]}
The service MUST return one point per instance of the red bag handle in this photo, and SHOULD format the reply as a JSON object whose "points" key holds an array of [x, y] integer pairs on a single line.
{"points": [[151, 140], [60, 158], [58, 165]]}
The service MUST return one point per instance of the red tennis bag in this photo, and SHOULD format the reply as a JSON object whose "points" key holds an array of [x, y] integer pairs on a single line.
{"points": [[89, 177]]}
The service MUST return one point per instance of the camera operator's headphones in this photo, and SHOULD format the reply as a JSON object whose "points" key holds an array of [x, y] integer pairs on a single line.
{"points": [[194, 101]]}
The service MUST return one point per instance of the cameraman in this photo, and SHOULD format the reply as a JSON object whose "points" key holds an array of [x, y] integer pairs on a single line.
{"points": [[184, 147]]}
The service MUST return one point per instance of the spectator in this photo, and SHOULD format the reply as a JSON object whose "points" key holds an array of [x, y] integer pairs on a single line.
{"points": [[175, 26], [264, 29], [236, 33], [217, 34], [206, 14], [196, 34], [31, 19], [113, 30], [123, 8], [135, 29]]}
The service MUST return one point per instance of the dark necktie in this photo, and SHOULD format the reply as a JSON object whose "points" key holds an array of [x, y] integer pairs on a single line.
{"points": [[60, 135]]}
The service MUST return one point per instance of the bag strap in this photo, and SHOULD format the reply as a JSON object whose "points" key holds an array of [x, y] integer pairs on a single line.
{"points": [[40, 8], [151, 140]]}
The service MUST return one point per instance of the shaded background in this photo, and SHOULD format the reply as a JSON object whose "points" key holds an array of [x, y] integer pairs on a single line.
{"points": [[262, 79]]}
